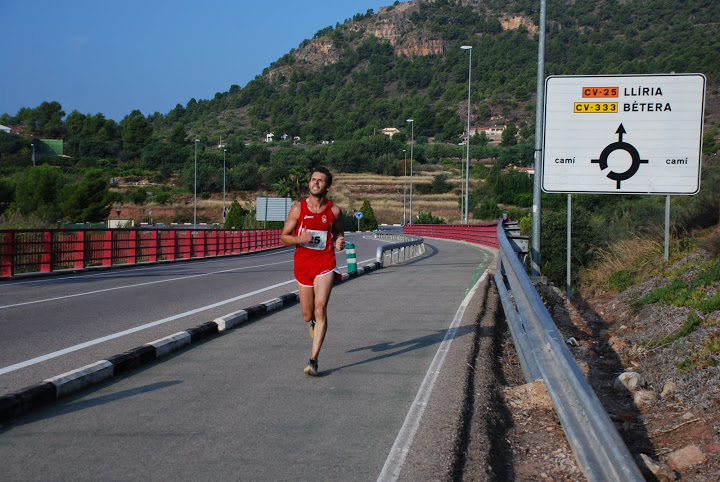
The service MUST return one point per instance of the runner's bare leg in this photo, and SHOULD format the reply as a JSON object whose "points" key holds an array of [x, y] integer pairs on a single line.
{"points": [[322, 288], [307, 301]]}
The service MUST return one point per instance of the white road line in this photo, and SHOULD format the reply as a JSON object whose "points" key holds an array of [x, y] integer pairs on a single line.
{"points": [[96, 341], [135, 269], [403, 441], [179, 278], [129, 331]]}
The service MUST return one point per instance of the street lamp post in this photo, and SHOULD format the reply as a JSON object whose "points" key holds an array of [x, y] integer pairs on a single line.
{"points": [[412, 141], [462, 189], [223, 217], [33, 147], [195, 204], [467, 140], [405, 187]]}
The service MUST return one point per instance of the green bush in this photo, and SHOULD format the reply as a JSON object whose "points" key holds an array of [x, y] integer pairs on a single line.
{"points": [[428, 218], [487, 211], [621, 280]]}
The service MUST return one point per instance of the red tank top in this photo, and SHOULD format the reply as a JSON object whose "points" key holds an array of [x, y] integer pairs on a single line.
{"points": [[320, 227]]}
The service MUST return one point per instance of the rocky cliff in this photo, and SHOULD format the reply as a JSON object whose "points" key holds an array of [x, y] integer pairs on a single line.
{"points": [[391, 24]]}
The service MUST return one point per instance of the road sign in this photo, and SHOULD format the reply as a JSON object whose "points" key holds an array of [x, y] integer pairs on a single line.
{"points": [[358, 215], [622, 134], [273, 208]]}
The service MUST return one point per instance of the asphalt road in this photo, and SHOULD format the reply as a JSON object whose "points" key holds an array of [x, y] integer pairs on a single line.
{"points": [[53, 325], [238, 406]]}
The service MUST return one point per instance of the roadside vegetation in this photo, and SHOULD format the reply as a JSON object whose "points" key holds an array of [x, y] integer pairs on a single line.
{"points": [[331, 113]]}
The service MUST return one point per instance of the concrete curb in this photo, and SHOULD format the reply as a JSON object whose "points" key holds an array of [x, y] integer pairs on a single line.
{"points": [[31, 398]]}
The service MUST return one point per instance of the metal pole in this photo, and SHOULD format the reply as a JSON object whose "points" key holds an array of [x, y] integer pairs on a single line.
{"points": [[462, 190], [33, 148], [539, 117], [667, 227], [467, 142], [412, 142], [405, 187], [569, 243], [224, 153], [195, 204]]}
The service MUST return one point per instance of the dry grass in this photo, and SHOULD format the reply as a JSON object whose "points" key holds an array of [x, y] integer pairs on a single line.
{"points": [[636, 254], [386, 193]]}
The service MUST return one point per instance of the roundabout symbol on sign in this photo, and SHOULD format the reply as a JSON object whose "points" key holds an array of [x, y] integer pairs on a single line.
{"points": [[620, 145]]}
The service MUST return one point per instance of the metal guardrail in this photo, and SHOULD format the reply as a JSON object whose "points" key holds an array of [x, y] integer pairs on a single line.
{"points": [[472, 233], [408, 247], [44, 251], [598, 448]]}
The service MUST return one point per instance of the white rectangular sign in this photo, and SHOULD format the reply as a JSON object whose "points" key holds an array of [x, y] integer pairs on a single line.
{"points": [[622, 134], [273, 208]]}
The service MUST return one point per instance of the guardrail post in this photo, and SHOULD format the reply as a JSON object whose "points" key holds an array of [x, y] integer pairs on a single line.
{"points": [[203, 244], [185, 241], [132, 246], [46, 253], [171, 244], [106, 254], [211, 243], [153, 248], [224, 236], [79, 258], [6, 255]]}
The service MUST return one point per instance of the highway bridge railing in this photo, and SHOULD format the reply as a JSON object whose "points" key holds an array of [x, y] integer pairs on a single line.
{"points": [[484, 234], [47, 250], [601, 453], [405, 247]]}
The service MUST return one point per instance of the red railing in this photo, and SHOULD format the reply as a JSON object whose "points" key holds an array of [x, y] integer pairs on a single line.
{"points": [[485, 234], [46, 250]]}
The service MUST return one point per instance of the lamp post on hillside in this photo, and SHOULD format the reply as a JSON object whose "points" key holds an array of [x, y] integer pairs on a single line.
{"points": [[412, 141], [224, 152], [467, 140], [33, 147], [462, 188], [405, 187], [195, 204]]}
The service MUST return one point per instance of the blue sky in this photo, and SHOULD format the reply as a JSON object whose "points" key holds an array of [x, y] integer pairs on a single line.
{"points": [[111, 57]]}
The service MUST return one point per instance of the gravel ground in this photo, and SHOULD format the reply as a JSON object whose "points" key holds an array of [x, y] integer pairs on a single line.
{"points": [[672, 416], [671, 419]]}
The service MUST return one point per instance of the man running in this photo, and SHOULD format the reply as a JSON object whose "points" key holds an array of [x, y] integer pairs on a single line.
{"points": [[314, 226]]}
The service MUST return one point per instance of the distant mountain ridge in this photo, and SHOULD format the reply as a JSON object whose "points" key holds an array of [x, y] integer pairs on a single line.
{"points": [[338, 84], [377, 70]]}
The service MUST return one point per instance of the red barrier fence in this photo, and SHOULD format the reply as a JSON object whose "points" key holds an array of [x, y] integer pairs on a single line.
{"points": [[46, 250], [485, 234]]}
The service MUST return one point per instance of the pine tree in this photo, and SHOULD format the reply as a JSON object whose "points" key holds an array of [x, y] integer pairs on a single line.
{"points": [[368, 221], [235, 216]]}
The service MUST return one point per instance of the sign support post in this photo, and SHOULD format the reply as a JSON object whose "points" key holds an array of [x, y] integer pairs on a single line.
{"points": [[667, 227]]}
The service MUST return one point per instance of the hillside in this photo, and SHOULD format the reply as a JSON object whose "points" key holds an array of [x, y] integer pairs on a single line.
{"points": [[659, 323], [375, 71], [339, 88]]}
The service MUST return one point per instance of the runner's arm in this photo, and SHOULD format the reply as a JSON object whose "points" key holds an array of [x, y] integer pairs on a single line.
{"points": [[286, 237], [337, 229]]}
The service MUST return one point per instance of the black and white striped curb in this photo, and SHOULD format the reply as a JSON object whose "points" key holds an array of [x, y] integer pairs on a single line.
{"points": [[36, 396]]}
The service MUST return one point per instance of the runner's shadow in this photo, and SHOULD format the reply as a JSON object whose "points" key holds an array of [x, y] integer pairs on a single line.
{"points": [[400, 348]]}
